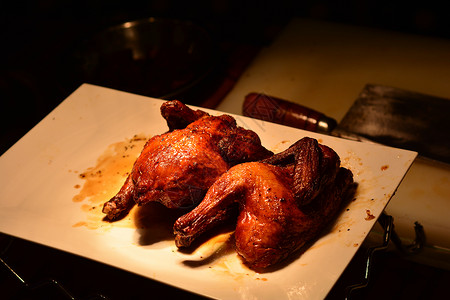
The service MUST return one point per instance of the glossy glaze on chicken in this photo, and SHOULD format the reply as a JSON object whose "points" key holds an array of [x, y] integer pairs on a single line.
{"points": [[284, 201], [177, 168]]}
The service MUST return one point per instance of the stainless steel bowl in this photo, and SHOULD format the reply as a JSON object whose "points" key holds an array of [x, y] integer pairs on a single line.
{"points": [[152, 57]]}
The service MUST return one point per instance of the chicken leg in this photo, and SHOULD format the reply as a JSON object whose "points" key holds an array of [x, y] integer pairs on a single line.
{"points": [[284, 201]]}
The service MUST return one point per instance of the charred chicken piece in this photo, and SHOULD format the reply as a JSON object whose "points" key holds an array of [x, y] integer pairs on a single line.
{"points": [[177, 168], [284, 201]]}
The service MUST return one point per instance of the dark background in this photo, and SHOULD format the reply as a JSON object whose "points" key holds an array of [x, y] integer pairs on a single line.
{"points": [[37, 36]]}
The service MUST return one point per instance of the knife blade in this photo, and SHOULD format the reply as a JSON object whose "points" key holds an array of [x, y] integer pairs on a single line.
{"points": [[380, 114]]}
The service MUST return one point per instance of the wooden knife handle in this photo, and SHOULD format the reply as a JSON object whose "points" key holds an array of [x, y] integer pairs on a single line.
{"points": [[272, 109]]}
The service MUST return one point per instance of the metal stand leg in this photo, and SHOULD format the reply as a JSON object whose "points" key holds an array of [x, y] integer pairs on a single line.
{"points": [[387, 222]]}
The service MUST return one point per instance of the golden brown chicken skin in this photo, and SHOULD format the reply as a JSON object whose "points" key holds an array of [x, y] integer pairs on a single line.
{"points": [[177, 168], [281, 207]]}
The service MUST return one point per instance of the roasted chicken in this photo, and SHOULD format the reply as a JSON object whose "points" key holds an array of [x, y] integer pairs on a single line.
{"points": [[283, 202], [177, 168]]}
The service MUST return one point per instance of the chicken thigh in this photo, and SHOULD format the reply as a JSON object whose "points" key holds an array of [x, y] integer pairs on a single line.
{"points": [[177, 168], [283, 201]]}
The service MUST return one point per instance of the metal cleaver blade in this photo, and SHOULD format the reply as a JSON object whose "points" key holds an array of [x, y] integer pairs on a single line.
{"points": [[401, 119], [381, 114]]}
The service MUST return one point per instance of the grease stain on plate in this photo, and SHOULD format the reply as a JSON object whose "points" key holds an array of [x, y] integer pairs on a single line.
{"points": [[103, 181]]}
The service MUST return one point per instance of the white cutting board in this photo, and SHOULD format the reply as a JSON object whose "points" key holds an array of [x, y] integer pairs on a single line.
{"points": [[325, 66]]}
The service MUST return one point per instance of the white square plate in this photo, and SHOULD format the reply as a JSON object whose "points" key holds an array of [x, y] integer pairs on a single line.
{"points": [[38, 176]]}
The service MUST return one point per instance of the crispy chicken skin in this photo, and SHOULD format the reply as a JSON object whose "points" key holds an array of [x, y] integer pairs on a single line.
{"points": [[283, 201], [177, 168]]}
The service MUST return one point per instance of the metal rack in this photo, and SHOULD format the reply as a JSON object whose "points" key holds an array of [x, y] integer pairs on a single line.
{"points": [[54, 285]]}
